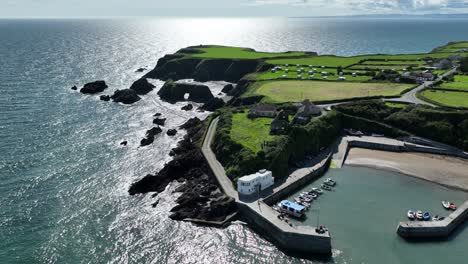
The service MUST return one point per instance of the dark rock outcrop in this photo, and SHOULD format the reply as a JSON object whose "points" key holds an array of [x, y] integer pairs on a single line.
{"points": [[150, 134], [159, 121], [104, 98], [142, 69], [187, 107], [227, 88], [171, 132], [94, 87], [123, 143], [74, 88], [201, 199], [157, 114], [125, 96], [142, 86], [199, 69], [213, 104], [173, 92]]}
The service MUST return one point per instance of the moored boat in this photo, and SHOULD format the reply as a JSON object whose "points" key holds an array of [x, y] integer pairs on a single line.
{"points": [[419, 215], [317, 190], [446, 204], [411, 215], [292, 208], [426, 216], [452, 206], [330, 182], [326, 187]]}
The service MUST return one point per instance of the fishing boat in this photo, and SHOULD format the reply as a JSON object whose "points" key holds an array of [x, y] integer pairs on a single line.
{"points": [[446, 204], [330, 182], [419, 215], [435, 218], [317, 190], [292, 208], [411, 215], [426, 216], [452, 206], [326, 187]]}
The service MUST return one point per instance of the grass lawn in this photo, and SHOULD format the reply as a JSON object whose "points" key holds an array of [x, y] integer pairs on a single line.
{"points": [[455, 47], [250, 133], [448, 98], [395, 62], [379, 67], [240, 53], [461, 78], [295, 91], [396, 105], [455, 85], [317, 76]]}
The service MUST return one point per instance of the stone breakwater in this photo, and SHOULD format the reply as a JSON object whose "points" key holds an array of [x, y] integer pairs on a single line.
{"points": [[434, 229]]}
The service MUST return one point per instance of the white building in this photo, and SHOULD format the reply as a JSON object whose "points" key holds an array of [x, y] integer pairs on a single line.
{"points": [[248, 184]]}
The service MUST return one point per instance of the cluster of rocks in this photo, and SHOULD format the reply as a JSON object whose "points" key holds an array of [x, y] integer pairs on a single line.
{"points": [[201, 199], [150, 134]]}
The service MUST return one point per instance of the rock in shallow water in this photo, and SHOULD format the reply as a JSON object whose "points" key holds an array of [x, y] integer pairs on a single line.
{"points": [[126, 96], [187, 107], [159, 121], [171, 132], [142, 86], [150, 134], [74, 88], [104, 98], [94, 87]]}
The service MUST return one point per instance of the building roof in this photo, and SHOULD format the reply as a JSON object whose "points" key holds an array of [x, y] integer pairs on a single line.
{"points": [[308, 108], [251, 177], [292, 205]]}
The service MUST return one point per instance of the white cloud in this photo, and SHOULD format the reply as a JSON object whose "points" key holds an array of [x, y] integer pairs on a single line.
{"points": [[373, 6]]}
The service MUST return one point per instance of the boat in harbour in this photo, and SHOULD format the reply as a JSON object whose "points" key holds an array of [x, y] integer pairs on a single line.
{"points": [[446, 204], [452, 206], [329, 182], [317, 191], [326, 187], [426, 216], [411, 215], [419, 215], [292, 208]]}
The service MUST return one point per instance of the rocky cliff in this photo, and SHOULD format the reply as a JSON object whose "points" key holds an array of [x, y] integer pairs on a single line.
{"points": [[173, 92]]}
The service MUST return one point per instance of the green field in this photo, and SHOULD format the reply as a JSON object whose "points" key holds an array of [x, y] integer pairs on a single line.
{"points": [[455, 85], [293, 75], [250, 133], [461, 78], [454, 47], [378, 67], [448, 98], [335, 61], [295, 91], [396, 105], [395, 62], [240, 53]]}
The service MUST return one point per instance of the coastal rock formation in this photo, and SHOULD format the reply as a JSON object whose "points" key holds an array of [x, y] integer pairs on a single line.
{"points": [[150, 134], [94, 87], [104, 98], [123, 143], [74, 88], [201, 199], [142, 69], [173, 92], [159, 121], [171, 132], [213, 104], [142, 86], [125, 96], [157, 114], [227, 88], [187, 107]]}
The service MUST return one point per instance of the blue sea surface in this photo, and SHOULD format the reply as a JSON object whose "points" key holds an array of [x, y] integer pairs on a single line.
{"points": [[63, 175]]}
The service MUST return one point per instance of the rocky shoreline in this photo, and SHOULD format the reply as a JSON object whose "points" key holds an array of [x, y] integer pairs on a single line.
{"points": [[201, 198]]}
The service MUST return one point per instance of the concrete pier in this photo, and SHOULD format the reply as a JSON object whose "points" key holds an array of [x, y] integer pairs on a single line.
{"points": [[300, 240], [434, 229]]}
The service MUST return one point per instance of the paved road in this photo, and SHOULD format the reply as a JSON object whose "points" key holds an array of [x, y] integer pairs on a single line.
{"points": [[410, 96]]}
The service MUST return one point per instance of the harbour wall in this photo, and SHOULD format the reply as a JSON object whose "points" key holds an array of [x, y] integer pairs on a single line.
{"points": [[285, 191], [294, 242], [434, 229]]}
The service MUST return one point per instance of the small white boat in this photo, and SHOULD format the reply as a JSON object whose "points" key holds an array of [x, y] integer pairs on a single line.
{"points": [[446, 204], [419, 215], [326, 187], [330, 182], [411, 215], [317, 190]]}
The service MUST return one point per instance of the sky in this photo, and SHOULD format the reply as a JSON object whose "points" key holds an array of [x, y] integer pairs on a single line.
{"points": [[288, 8]]}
